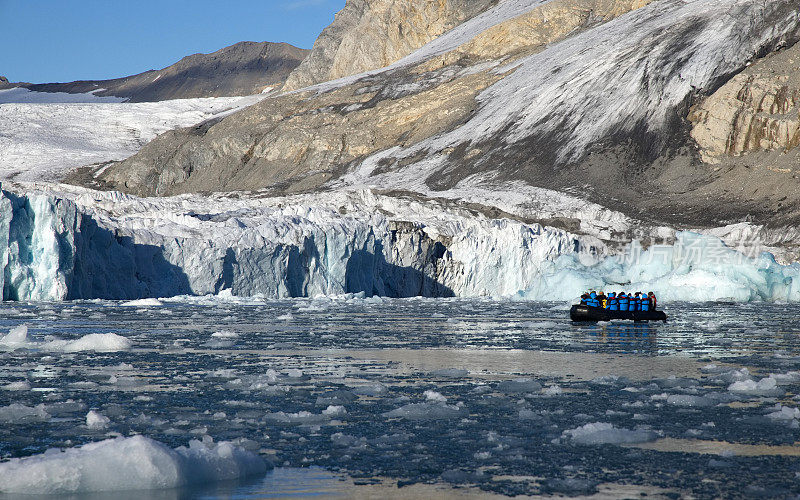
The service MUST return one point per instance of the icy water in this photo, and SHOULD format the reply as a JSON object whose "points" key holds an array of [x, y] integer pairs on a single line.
{"points": [[423, 398]]}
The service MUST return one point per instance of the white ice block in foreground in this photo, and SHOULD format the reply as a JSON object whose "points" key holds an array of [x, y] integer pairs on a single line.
{"points": [[135, 463]]}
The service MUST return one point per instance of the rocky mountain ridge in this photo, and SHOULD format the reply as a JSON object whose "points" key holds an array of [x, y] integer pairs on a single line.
{"points": [[245, 68], [371, 34], [586, 97]]}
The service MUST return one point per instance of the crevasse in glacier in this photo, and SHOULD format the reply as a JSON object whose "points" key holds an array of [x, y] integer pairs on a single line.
{"points": [[57, 248]]}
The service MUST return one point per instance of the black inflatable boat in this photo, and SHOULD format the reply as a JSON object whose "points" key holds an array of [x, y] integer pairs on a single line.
{"points": [[588, 313]]}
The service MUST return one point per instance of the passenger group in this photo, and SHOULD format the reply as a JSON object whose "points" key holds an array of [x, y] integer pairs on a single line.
{"points": [[620, 301]]}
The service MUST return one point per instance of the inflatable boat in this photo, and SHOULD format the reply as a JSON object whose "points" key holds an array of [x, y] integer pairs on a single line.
{"points": [[589, 313]]}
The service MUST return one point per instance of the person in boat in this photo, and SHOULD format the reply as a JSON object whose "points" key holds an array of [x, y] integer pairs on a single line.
{"points": [[645, 303], [592, 300], [601, 297], [585, 299], [653, 301], [631, 303], [612, 304], [623, 301], [637, 301]]}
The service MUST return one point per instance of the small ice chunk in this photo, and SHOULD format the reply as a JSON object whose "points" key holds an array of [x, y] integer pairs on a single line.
{"points": [[371, 390], [786, 378], [294, 373], [299, 418], [96, 421], [605, 433], [426, 411], [334, 411], [435, 396], [16, 413], [225, 334], [16, 338], [99, 342], [690, 401], [571, 486], [784, 413], [20, 385], [345, 441], [767, 387], [553, 390], [134, 463], [732, 376], [520, 385], [450, 373], [142, 303]]}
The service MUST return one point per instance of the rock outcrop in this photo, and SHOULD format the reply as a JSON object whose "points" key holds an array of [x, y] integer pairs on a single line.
{"points": [[245, 68], [371, 34], [588, 97], [297, 142], [759, 109]]}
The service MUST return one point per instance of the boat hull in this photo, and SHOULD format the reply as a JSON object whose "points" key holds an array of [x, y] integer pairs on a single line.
{"points": [[588, 313]]}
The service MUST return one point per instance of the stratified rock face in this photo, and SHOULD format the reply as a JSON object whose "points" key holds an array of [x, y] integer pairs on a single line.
{"points": [[759, 109], [297, 142], [560, 95], [243, 69], [371, 34]]}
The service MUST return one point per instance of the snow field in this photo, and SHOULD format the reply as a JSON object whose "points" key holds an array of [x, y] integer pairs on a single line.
{"points": [[46, 135]]}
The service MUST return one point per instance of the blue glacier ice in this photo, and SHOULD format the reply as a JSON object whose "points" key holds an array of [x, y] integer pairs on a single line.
{"points": [[118, 247]]}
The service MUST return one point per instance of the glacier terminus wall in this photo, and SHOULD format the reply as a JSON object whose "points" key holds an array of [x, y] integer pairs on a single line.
{"points": [[84, 244]]}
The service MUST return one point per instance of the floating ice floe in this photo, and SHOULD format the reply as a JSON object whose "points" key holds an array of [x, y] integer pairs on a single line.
{"points": [[142, 303], [96, 421], [17, 413], [785, 414], [767, 387], [135, 463], [435, 396], [225, 334], [605, 433], [20, 385], [427, 411], [17, 338], [520, 385]]}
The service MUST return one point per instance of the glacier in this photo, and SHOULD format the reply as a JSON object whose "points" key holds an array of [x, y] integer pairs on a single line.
{"points": [[63, 242]]}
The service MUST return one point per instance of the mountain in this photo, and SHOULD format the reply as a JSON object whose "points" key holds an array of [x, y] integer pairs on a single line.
{"points": [[593, 98], [371, 34], [245, 68]]}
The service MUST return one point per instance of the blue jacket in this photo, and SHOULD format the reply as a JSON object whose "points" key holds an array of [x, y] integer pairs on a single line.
{"points": [[613, 304], [632, 304], [645, 304], [623, 302]]}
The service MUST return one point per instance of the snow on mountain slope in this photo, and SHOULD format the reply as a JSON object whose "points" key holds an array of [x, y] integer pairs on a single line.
{"points": [[625, 77], [43, 135]]}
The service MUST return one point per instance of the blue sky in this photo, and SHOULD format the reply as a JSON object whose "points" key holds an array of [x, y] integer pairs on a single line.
{"points": [[65, 40]]}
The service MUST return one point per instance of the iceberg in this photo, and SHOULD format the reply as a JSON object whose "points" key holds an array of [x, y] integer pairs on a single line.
{"points": [[134, 463], [17, 338]]}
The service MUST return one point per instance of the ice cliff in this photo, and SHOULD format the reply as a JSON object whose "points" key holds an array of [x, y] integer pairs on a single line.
{"points": [[88, 244]]}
